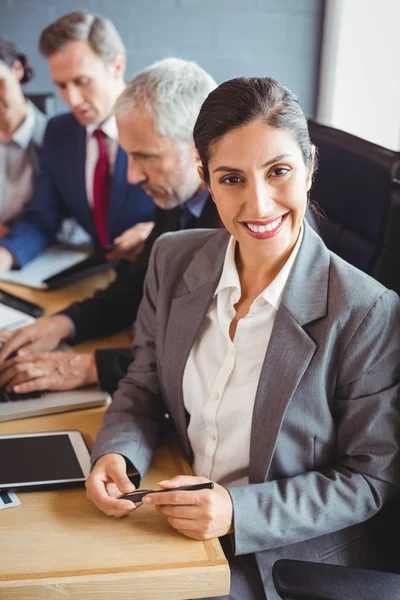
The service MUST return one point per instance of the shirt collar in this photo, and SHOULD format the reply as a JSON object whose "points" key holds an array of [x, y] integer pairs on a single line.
{"points": [[109, 127], [196, 204], [229, 276], [24, 133], [274, 291]]}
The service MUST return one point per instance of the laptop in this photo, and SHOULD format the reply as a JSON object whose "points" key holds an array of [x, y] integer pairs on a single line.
{"points": [[19, 406], [47, 403], [12, 318], [96, 263], [58, 266]]}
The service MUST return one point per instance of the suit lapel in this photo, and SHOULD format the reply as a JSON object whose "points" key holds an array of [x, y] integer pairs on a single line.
{"points": [[290, 350], [289, 353], [171, 219], [118, 192], [188, 311]]}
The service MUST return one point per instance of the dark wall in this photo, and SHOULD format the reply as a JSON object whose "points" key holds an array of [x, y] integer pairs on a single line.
{"points": [[229, 38]]}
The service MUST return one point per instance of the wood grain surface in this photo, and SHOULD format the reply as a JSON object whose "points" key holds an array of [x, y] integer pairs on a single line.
{"points": [[57, 545]]}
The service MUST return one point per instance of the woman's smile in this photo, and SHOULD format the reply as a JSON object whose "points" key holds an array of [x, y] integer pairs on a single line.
{"points": [[266, 229]]}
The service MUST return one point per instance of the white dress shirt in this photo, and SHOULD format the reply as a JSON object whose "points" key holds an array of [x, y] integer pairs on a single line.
{"points": [[109, 127], [16, 169], [221, 376]]}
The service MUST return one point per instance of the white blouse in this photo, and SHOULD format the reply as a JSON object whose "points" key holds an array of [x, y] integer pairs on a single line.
{"points": [[221, 376]]}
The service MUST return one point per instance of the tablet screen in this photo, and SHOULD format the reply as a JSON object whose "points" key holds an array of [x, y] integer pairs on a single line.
{"points": [[38, 459]]}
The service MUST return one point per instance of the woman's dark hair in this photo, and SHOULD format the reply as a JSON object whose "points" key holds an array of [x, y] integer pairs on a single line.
{"points": [[242, 101], [9, 55]]}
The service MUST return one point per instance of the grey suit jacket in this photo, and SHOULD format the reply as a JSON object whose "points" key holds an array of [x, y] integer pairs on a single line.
{"points": [[324, 452]]}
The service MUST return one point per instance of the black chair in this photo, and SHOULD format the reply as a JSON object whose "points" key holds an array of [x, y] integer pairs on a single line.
{"points": [[385, 529], [357, 186], [300, 580], [46, 102]]}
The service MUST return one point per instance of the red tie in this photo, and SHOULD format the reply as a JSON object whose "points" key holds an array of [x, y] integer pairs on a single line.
{"points": [[101, 189]]}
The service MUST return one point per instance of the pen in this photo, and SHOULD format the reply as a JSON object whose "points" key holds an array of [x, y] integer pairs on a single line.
{"points": [[138, 495]]}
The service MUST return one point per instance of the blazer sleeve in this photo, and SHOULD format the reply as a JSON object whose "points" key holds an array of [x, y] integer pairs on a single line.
{"points": [[133, 421], [366, 471], [41, 218]]}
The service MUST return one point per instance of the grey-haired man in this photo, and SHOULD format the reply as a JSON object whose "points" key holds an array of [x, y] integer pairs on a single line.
{"points": [[155, 118]]}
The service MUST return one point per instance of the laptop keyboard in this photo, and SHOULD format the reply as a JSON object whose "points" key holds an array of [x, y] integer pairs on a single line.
{"points": [[13, 396]]}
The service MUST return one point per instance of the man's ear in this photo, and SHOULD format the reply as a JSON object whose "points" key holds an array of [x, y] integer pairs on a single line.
{"points": [[18, 70], [311, 168], [119, 65]]}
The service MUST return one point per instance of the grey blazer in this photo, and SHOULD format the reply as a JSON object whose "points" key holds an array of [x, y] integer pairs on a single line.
{"points": [[324, 452]]}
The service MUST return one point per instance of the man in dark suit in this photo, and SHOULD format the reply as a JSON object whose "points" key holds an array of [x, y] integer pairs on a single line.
{"points": [[155, 117], [84, 169]]}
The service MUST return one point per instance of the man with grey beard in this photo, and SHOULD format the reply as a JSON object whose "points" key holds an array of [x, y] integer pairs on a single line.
{"points": [[155, 118]]}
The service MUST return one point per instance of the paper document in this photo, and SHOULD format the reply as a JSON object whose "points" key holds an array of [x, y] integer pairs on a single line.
{"points": [[52, 261], [8, 499], [10, 318]]}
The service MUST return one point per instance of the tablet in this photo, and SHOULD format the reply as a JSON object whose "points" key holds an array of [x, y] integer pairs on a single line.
{"points": [[43, 460]]}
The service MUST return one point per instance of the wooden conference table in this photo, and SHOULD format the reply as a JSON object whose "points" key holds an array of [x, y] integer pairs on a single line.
{"points": [[58, 545]]}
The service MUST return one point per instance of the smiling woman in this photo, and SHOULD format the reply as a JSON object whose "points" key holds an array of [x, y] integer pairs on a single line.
{"points": [[258, 165], [277, 361]]}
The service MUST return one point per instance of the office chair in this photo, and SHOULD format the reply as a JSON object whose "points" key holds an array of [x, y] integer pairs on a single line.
{"points": [[299, 580], [357, 186], [46, 102]]}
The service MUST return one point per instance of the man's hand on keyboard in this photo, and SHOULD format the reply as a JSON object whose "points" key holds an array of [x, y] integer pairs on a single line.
{"points": [[43, 336], [48, 371]]}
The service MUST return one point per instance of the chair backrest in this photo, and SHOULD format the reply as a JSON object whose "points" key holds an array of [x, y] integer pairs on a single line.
{"points": [[300, 580], [357, 185], [46, 102], [385, 528]]}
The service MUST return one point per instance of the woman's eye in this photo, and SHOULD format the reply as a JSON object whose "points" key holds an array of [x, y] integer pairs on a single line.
{"points": [[279, 171], [231, 180]]}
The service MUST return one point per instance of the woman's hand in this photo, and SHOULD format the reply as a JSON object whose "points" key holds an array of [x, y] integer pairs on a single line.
{"points": [[108, 480], [201, 514]]}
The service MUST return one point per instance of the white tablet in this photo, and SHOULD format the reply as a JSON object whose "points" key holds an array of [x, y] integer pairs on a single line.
{"points": [[42, 460]]}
